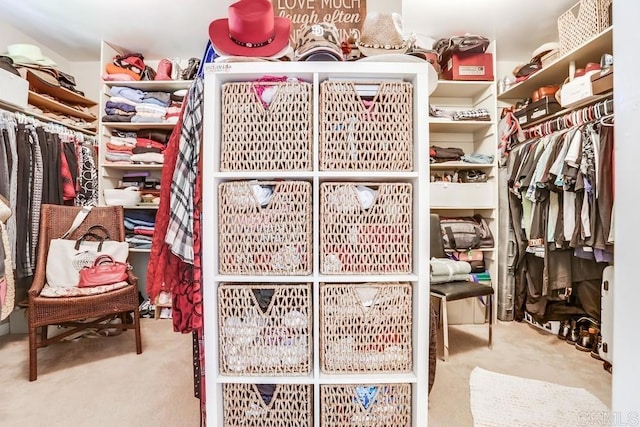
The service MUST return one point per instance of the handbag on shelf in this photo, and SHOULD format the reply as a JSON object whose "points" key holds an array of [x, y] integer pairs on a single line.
{"points": [[66, 257], [463, 233], [104, 271]]}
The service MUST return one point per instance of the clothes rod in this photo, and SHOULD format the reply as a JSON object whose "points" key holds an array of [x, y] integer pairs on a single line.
{"points": [[578, 117]]}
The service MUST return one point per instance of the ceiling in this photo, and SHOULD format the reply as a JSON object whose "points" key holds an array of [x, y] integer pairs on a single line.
{"points": [[178, 28]]}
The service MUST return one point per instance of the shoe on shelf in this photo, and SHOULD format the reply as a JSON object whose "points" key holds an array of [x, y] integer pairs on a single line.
{"points": [[574, 332], [587, 339]]}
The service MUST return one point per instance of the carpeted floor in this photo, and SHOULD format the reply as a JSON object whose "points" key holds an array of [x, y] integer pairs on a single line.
{"points": [[518, 350], [101, 381], [526, 402]]}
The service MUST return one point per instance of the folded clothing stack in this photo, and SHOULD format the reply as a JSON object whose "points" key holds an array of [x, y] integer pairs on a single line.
{"points": [[445, 270], [137, 147], [139, 226]]}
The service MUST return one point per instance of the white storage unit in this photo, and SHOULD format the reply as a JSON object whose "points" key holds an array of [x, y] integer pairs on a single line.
{"points": [[111, 173], [400, 375], [466, 199]]}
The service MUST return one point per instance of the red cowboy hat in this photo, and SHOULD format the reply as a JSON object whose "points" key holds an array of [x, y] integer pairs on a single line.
{"points": [[251, 30]]}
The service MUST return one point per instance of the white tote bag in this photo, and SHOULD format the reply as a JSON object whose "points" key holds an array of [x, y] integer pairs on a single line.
{"points": [[67, 257]]}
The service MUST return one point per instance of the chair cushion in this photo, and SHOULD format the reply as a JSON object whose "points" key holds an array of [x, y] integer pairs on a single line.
{"points": [[62, 292], [461, 290]]}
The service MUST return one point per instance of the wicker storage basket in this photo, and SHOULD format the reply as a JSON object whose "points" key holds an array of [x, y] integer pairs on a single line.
{"points": [[274, 239], [365, 328], [370, 405], [245, 405], [584, 20], [265, 329], [256, 137], [357, 136], [373, 240]]}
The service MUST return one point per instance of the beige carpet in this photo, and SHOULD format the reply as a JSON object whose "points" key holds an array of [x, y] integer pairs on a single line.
{"points": [[97, 382], [500, 400], [519, 350]]}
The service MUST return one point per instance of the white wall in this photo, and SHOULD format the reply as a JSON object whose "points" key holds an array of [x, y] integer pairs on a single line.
{"points": [[626, 295]]}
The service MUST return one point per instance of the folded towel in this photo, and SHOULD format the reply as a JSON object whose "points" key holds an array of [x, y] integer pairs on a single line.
{"points": [[450, 278], [446, 266]]}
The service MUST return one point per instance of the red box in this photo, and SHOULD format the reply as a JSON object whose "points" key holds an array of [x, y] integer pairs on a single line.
{"points": [[473, 66]]}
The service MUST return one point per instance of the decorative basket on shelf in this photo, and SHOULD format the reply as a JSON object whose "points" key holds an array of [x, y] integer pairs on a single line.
{"points": [[253, 405], [265, 227], [265, 329], [372, 236], [373, 134], [365, 405], [257, 136], [584, 20], [366, 328]]}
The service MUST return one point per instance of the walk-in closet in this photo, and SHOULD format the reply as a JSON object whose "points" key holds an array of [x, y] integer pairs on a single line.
{"points": [[318, 214]]}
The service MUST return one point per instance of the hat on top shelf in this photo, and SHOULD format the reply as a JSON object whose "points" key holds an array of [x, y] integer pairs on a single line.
{"points": [[251, 30], [382, 34], [319, 42], [28, 54]]}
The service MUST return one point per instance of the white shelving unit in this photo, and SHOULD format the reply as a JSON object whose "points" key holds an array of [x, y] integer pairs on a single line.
{"points": [[111, 173], [467, 199], [416, 378]]}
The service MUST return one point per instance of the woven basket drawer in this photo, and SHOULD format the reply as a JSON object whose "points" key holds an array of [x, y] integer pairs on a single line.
{"points": [[272, 238], [584, 20], [365, 327], [248, 405], [257, 137], [368, 240], [370, 405], [376, 135], [265, 329]]}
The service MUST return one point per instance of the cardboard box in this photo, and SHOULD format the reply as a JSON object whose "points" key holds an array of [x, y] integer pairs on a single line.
{"points": [[602, 82], [521, 116], [542, 108], [474, 66], [14, 90]]}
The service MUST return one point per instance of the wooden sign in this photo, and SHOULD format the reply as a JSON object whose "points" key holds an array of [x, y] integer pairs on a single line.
{"points": [[347, 15]]}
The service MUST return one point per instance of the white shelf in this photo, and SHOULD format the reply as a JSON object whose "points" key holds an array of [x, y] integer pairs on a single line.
{"points": [[215, 76], [137, 126], [558, 70], [467, 199], [152, 85]]}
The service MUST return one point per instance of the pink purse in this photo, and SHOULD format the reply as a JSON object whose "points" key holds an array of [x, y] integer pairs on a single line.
{"points": [[104, 271]]}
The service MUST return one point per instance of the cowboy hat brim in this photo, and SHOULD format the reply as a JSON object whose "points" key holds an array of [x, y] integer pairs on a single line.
{"points": [[219, 36]]}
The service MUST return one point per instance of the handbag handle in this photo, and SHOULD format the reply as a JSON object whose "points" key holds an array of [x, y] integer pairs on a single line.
{"points": [[82, 214], [86, 235], [100, 228]]}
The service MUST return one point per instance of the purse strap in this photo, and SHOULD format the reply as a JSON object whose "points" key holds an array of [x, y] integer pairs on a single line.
{"points": [[82, 214]]}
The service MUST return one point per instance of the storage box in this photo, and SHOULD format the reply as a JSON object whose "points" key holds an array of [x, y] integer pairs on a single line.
{"points": [[584, 20], [265, 329], [552, 326], [461, 195], [366, 238], [265, 227], [247, 405], [575, 91], [14, 90], [521, 116], [602, 82], [542, 108], [277, 137], [365, 405], [365, 328], [358, 136], [474, 66]]}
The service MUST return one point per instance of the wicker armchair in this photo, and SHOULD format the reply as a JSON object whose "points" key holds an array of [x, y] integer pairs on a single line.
{"points": [[83, 312]]}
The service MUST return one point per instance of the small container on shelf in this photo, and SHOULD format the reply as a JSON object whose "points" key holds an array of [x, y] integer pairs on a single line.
{"points": [[265, 329], [351, 405], [366, 228], [257, 136], [366, 125], [365, 328], [265, 227], [268, 405]]}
